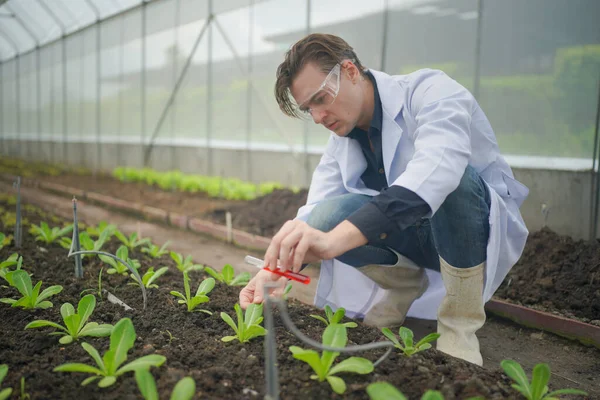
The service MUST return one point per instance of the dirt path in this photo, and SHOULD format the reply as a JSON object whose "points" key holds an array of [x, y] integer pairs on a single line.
{"points": [[573, 365]]}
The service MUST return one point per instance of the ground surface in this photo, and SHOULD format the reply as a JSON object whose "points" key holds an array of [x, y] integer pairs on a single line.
{"points": [[572, 365]]}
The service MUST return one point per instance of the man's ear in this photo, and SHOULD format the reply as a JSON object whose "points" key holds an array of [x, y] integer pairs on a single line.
{"points": [[351, 70]]}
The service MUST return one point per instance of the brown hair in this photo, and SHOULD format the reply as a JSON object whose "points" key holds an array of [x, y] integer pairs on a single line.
{"points": [[323, 49]]}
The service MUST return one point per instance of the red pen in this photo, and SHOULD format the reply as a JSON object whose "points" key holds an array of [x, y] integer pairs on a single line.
{"points": [[288, 274]]}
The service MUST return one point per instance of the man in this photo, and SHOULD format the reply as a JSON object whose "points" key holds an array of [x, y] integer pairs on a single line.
{"points": [[411, 193]]}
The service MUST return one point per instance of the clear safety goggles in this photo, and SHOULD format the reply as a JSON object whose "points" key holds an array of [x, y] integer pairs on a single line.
{"points": [[324, 96]]}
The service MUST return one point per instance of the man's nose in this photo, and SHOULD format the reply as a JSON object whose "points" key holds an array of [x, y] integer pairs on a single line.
{"points": [[318, 116]]}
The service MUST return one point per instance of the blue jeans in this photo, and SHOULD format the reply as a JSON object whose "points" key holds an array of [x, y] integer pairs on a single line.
{"points": [[458, 231]]}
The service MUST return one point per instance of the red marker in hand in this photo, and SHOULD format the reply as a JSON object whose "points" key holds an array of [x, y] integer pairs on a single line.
{"points": [[288, 273]]}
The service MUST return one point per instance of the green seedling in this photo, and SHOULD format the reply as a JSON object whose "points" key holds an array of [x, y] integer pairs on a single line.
{"points": [[5, 241], [14, 259], [117, 266], [132, 241], [76, 325], [287, 290], [2, 239], [86, 242], [227, 275], [49, 235], [155, 251], [183, 390], [24, 394], [537, 389], [334, 318], [335, 335], [103, 226], [9, 219], [149, 277], [407, 336], [185, 265], [122, 339], [99, 292], [4, 393], [386, 391], [248, 325], [171, 337], [32, 298], [201, 294]]}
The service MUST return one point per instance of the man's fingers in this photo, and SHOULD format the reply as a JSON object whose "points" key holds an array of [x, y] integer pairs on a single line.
{"points": [[247, 294], [272, 253], [300, 252], [287, 246]]}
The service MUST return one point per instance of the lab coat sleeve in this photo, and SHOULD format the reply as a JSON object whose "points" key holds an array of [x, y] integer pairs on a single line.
{"points": [[326, 181], [442, 109]]}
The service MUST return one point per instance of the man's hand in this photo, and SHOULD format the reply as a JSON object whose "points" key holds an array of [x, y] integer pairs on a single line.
{"points": [[297, 243], [254, 290]]}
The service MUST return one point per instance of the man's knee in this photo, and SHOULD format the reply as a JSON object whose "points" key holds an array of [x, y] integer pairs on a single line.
{"points": [[470, 190], [327, 214]]}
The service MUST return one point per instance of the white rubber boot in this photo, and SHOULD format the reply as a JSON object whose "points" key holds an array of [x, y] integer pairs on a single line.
{"points": [[404, 281], [461, 312]]}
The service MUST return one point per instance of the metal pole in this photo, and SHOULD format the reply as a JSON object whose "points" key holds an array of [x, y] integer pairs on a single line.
{"points": [[98, 165], [174, 92], [39, 102], [120, 110], [2, 144], [143, 77], [82, 160], [386, 13], [595, 185], [15, 49], [63, 30], [249, 94], [478, 40], [307, 174], [209, 82], [175, 68]]}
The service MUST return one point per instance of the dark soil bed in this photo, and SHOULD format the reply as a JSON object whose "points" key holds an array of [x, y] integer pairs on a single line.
{"points": [[557, 274], [220, 370]]}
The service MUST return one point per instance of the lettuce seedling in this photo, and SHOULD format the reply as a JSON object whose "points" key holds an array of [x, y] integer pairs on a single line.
{"points": [[185, 265], [334, 318], [132, 241], [99, 291], [117, 266], [97, 231], [4, 393], [201, 294], [227, 275], [248, 325], [386, 391], [154, 251], [86, 242], [14, 259], [334, 336], [122, 339], [183, 390], [32, 298], [49, 235], [149, 277], [76, 324], [2, 238], [406, 335], [538, 388]]}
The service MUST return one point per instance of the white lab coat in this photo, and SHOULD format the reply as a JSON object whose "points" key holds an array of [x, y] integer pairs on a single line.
{"points": [[432, 129]]}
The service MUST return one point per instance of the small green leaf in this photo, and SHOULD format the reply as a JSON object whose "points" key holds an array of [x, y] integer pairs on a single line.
{"points": [[384, 391], [91, 350], [77, 367], [67, 339], [146, 384], [206, 286], [357, 365], [225, 317], [318, 317], [184, 389], [89, 380], [50, 291], [145, 362], [253, 313], [43, 323], [107, 381], [567, 391], [407, 336], [390, 335], [67, 309], [228, 338], [539, 380], [121, 340], [95, 330], [22, 282], [432, 395], [85, 308], [228, 273], [337, 384], [310, 357], [514, 370]]}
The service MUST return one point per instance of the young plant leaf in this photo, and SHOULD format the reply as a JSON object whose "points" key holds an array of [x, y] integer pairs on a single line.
{"points": [[384, 391]]}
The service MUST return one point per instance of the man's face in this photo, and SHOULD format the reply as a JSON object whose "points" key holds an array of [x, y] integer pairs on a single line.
{"points": [[342, 115]]}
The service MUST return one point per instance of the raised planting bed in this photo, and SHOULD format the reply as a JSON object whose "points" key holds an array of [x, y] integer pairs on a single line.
{"points": [[191, 341]]}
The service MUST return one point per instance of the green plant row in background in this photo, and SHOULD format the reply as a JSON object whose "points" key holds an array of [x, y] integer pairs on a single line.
{"points": [[214, 186]]}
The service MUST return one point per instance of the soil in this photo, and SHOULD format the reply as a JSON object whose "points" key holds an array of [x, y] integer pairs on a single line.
{"points": [[220, 370], [557, 273]]}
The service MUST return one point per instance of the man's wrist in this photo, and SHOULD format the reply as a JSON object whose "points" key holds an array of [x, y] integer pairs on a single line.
{"points": [[344, 237]]}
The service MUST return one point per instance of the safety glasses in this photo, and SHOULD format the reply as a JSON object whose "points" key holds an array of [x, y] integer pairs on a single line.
{"points": [[324, 96]]}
